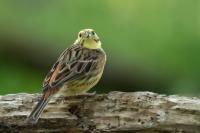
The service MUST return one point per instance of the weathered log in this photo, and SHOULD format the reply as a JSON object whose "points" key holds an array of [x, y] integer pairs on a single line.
{"points": [[116, 112]]}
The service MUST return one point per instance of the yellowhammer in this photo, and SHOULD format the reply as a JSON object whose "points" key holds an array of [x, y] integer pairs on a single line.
{"points": [[77, 70]]}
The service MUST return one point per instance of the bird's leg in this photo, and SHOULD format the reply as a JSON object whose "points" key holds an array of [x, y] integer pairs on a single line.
{"points": [[63, 98]]}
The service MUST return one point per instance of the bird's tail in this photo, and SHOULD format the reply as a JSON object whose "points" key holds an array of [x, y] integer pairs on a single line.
{"points": [[38, 109]]}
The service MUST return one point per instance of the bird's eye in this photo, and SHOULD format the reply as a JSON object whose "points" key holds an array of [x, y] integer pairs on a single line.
{"points": [[80, 35], [93, 33]]}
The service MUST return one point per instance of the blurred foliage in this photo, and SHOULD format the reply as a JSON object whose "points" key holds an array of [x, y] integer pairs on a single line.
{"points": [[151, 45]]}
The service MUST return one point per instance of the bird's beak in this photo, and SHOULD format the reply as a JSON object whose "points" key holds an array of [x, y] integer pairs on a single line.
{"points": [[89, 34]]}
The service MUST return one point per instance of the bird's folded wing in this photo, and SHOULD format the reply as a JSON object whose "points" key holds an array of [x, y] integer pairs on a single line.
{"points": [[70, 66]]}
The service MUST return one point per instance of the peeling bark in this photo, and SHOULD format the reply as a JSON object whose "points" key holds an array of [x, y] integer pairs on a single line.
{"points": [[116, 112]]}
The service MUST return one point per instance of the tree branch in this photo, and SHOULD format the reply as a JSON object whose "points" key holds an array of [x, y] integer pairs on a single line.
{"points": [[116, 112]]}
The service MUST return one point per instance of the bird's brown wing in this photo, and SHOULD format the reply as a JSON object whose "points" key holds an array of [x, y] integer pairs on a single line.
{"points": [[73, 64]]}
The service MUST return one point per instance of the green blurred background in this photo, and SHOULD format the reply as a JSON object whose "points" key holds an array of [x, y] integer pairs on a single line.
{"points": [[151, 45]]}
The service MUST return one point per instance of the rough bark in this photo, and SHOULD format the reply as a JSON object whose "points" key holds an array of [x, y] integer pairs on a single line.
{"points": [[116, 112]]}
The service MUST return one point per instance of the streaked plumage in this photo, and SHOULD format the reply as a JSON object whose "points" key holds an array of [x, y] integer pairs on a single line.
{"points": [[77, 70]]}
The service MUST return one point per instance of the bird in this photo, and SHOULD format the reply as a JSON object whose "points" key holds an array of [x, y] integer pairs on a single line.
{"points": [[77, 70]]}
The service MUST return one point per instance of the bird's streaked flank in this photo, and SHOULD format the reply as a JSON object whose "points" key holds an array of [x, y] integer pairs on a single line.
{"points": [[77, 70]]}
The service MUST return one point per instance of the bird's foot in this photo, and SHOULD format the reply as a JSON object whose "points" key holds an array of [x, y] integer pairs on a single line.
{"points": [[90, 94], [81, 96]]}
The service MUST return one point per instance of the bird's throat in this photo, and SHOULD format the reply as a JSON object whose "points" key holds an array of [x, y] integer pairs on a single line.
{"points": [[92, 44]]}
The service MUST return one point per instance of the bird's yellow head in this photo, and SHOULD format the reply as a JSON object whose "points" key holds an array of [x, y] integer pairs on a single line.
{"points": [[89, 39]]}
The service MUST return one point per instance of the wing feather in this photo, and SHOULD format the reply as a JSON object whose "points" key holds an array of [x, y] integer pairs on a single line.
{"points": [[73, 64]]}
